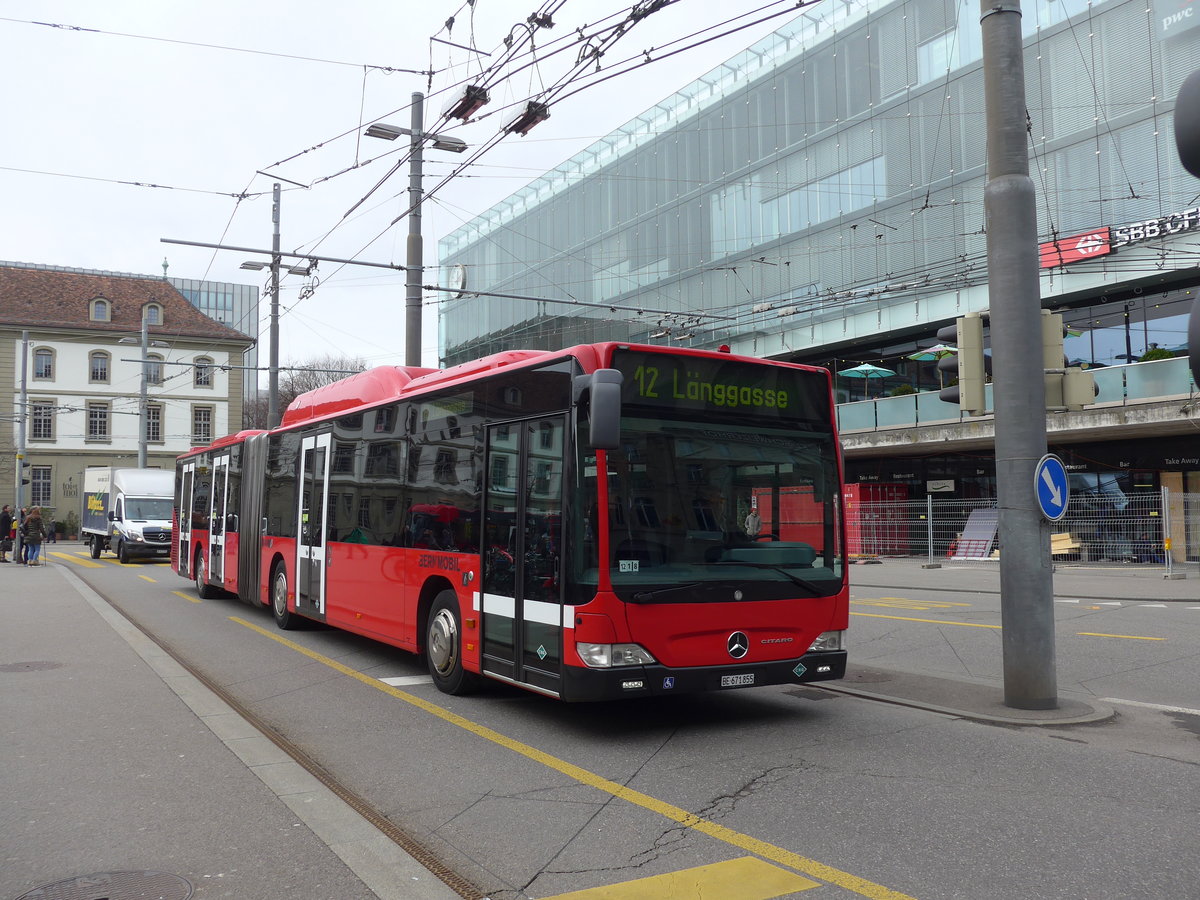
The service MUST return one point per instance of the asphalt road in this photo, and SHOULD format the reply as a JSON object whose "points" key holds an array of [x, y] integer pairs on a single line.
{"points": [[783, 792]]}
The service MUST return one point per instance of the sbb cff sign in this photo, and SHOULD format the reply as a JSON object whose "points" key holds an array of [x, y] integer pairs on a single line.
{"points": [[1077, 247]]}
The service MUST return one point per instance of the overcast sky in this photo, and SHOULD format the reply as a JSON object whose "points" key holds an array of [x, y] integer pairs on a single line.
{"points": [[164, 93]]}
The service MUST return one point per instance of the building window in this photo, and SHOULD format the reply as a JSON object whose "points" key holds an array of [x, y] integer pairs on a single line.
{"points": [[443, 467], [98, 367], [343, 458], [43, 364], [154, 368], [100, 311], [203, 372], [42, 420], [97, 422], [39, 487], [499, 471], [154, 421], [153, 314], [202, 425]]}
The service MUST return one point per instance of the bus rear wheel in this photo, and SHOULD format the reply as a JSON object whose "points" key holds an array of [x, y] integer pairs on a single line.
{"points": [[443, 647], [203, 588], [279, 597]]}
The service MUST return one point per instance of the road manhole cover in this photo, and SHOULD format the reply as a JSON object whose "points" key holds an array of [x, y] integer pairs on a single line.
{"points": [[31, 666], [115, 886]]}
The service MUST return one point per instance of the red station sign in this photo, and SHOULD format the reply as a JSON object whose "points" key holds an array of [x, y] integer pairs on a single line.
{"points": [[1077, 247]]}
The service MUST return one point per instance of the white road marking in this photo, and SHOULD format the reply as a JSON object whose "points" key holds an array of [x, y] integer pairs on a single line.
{"points": [[404, 680], [1160, 707]]}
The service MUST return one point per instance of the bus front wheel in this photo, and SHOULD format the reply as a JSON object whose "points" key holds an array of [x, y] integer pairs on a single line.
{"points": [[279, 597], [443, 647]]}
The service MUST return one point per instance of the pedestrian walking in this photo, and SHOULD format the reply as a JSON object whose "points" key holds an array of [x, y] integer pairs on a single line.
{"points": [[6, 532], [753, 523], [33, 532], [22, 545]]}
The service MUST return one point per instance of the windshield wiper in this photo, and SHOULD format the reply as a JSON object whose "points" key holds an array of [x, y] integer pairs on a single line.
{"points": [[810, 586], [647, 596]]}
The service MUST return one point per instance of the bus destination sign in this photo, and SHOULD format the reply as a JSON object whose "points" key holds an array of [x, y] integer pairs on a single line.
{"points": [[720, 386]]}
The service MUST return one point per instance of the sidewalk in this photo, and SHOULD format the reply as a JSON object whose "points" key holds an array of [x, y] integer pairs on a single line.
{"points": [[125, 777], [984, 700], [1133, 583]]}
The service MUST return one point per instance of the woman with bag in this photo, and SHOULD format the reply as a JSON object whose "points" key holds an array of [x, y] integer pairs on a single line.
{"points": [[33, 532]]}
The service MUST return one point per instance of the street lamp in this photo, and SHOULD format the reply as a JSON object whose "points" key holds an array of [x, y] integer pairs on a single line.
{"points": [[415, 256], [142, 405]]}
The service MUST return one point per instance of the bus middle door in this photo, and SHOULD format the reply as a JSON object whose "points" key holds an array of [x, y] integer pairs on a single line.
{"points": [[522, 553], [310, 524], [216, 520]]}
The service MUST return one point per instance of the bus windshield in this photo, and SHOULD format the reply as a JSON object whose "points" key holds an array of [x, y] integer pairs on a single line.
{"points": [[717, 512]]}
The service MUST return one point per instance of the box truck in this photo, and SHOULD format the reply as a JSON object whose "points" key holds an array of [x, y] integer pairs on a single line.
{"points": [[128, 511]]}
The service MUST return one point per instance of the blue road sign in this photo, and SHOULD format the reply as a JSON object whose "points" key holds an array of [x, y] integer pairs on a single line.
{"points": [[1051, 486]]}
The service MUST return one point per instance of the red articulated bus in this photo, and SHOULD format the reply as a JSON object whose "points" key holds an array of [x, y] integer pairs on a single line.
{"points": [[574, 522]]}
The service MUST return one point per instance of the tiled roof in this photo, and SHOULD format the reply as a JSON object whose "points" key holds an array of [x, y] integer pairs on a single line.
{"points": [[48, 298]]}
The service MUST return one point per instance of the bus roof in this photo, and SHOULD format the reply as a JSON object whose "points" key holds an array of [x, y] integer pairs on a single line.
{"points": [[383, 383]]}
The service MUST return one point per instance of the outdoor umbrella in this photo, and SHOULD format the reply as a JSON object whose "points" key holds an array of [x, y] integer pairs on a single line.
{"points": [[866, 370], [936, 352], [929, 354]]}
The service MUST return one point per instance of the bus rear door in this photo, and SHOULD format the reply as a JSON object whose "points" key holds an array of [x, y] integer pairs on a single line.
{"points": [[184, 536], [310, 518], [522, 553]]}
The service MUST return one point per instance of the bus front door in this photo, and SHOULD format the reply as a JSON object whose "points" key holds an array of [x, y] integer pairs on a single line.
{"points": [[216, 520], [522, 553], [310, 520], [183, 537]]}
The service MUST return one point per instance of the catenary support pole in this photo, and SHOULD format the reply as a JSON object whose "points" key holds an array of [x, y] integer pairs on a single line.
{"points": [[142, 408], [415, 258], [1026, 580], [273, 363], [22, 416]]}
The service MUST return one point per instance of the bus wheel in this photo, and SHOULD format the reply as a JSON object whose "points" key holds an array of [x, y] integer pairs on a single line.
{"points": [[279, 594], [96, 546], [203, 588], [443, 647]]}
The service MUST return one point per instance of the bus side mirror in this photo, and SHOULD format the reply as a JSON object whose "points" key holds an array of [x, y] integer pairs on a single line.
{"points": [[604, 408]]}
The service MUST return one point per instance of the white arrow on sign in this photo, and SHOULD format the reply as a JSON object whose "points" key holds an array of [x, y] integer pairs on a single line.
{"points": [[1055, 494]]}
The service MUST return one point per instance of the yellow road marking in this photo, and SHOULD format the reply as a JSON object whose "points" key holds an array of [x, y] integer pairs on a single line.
{"points": [[908, 603], [735, 879], [1128, 637], [148, 578], [931, 621], [188, 597], [86, 563], [687, 819], [1132, 637]]}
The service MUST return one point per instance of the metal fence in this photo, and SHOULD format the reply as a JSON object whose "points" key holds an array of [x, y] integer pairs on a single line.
{"points": [[1153, 528]]}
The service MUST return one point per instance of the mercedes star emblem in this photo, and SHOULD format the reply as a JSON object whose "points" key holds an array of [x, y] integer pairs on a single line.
{"points": [[738, 645]]}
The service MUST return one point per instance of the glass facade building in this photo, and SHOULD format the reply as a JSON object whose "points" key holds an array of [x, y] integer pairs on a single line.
{"points": [[819, 197], [233, 305]]}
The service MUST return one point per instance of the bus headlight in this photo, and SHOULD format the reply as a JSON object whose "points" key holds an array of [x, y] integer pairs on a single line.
{"points": [[829, 640], [606, 656]]}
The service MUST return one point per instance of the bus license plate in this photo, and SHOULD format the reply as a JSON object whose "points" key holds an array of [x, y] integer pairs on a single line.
{"points": [[737, 680]]}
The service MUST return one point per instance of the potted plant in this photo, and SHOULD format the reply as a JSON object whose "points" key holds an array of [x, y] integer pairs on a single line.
{"points": [[70, 527]]}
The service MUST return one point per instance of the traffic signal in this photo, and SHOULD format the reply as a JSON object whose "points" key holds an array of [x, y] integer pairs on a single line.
{"points": [[1067, 387], [1187, 143], [24, 471], [969, 364]]}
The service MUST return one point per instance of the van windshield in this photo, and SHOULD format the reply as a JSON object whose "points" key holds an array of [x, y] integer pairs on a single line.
{"points": [[144, 509]]}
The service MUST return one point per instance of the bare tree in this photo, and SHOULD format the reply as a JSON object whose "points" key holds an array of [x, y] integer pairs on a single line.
{"points": [[296, 378]]}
